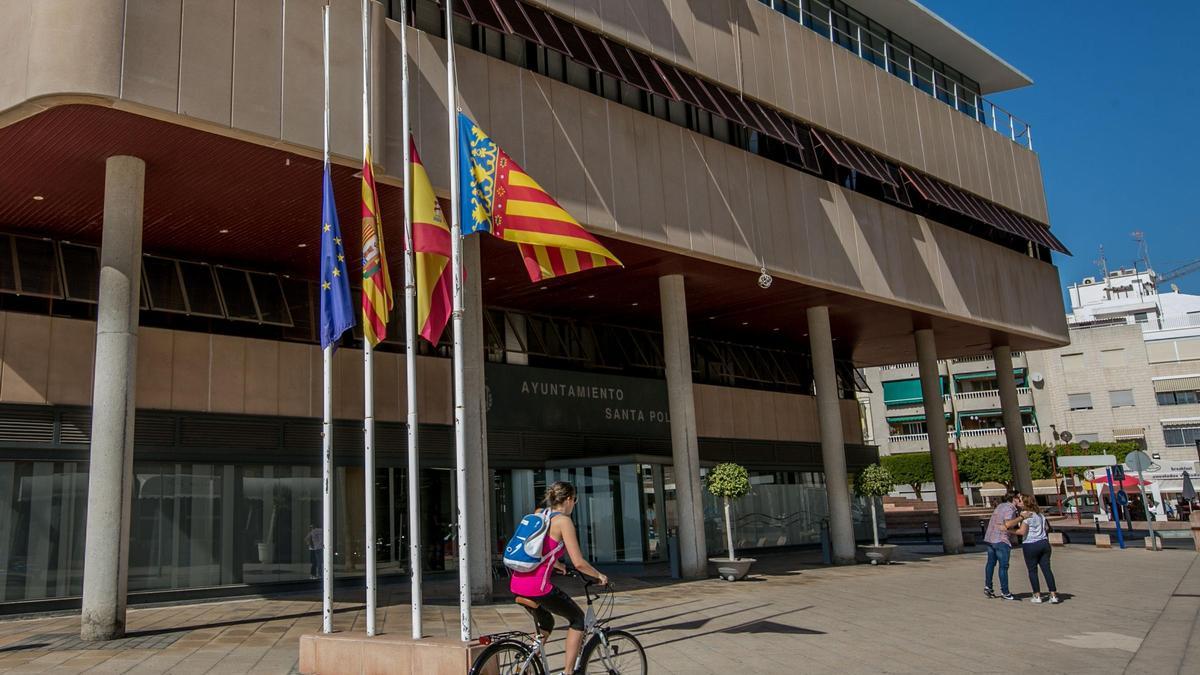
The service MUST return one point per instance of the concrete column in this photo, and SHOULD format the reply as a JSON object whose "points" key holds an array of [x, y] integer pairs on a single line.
{"points": [[685, 448], [106, 551], [833, 445], [1010, 406], [939, 448], [478, 475]]}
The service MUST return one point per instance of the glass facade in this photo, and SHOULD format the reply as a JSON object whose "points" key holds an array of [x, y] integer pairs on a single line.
{"points": [[197, 525], [783, 508]]}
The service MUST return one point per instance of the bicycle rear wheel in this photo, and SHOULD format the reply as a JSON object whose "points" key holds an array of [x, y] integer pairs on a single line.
{"points": [[507, 657], [614, 652]]}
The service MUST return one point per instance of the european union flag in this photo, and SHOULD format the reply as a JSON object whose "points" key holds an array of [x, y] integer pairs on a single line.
{"points": [[337, 313]]}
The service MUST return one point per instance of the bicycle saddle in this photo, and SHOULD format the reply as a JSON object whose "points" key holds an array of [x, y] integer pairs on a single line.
{"points": [[526, 602]]}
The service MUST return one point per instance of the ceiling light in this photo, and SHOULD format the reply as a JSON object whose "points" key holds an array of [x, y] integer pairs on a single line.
{"points": [[491, 278], [591, 296], [38, 198], [745, 323], [711, 318], [302, 245], [775, 329], [545, 287], [635, 304], [223, 231]]}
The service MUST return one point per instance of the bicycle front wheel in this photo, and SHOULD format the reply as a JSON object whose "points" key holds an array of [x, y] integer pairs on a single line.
{"points": [[614, 652], [508, 657]]}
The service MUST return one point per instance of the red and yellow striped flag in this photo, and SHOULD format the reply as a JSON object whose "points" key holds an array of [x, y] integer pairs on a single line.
{"points": [[431, 249], [498, 196], [551, 241], [377, 283]]}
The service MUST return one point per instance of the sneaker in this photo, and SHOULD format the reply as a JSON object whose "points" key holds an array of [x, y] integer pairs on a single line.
{"points": [[1054, 600], [1008, 596], [1036, 599], [989, 592]]}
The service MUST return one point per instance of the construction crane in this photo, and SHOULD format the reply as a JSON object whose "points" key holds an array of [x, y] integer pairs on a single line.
{"points": [[1182, 270]]}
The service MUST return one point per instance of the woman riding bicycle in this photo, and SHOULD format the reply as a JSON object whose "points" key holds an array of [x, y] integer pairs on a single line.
{"points": [[538, 584]]}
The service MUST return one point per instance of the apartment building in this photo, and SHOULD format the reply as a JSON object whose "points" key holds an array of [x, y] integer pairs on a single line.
{"points": [[1132, 370]]}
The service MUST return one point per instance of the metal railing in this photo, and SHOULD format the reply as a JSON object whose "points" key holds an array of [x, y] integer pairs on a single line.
{"points": [[820, 17], [1151, 324], [966, 433]]}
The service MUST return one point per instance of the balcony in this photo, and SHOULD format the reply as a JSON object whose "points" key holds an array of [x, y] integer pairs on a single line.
{"points": [[879, 50], [967, 438], [989, 399]]}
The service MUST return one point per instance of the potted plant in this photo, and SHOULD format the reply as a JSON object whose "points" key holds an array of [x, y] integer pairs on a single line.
{"points": [[873, 482], [728, 482]]}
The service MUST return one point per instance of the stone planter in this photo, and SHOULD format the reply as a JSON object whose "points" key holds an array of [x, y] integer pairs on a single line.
{"points": [[878, 555], [732, 570]]}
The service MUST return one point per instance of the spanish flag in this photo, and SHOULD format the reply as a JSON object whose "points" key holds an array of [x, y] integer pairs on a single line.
{"points": [[431, 249], [377, 284], [499, 197]]}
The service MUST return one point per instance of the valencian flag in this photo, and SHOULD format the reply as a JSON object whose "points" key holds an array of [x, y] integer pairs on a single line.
{"points": [[497, 196], [431, 249], [337, 314], [377, 284]]}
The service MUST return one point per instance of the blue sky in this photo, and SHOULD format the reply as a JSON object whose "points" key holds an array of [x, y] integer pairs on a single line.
{"points": [[1114, 107]]}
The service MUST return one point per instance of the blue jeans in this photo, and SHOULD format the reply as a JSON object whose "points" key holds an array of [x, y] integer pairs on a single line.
{"points": [[997, 553]]}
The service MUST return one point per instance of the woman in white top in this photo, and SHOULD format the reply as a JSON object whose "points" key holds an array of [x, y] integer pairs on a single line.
{"points": [[1035, 546]]}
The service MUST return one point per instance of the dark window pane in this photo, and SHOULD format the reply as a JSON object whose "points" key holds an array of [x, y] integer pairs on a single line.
{"points": [[162, 283], [298, 294], [37, 267], [201, 289], [81, 267], [8, 268], [235, 291], [269, 294]]}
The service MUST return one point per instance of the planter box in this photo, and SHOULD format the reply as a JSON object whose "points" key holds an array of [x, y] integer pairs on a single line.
{"points": [[878, 555], [731, 570]]}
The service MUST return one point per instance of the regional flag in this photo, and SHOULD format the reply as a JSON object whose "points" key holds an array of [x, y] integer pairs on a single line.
{"points": [[431, 251], [496, 195], [377, 283], [337, 314]]}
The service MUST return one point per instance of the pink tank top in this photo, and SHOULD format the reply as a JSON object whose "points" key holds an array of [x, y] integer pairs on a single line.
{"points": [[537, 582]]}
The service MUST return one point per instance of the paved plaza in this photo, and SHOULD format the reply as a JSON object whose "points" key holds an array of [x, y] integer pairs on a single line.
{"points": [[1124, 611]]}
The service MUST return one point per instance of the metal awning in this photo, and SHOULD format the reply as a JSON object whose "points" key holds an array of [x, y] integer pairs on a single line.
{"points": [[1129, 432], [1185, 383], [850, 156], [976, 208]]}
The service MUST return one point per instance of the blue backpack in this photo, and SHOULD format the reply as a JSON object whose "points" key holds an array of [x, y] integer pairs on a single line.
{"points": [[524, 551]]}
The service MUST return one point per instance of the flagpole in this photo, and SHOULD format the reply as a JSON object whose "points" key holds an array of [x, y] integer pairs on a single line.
{"points": [[410, 343], [327, 405], [456, 270], [368, 355]]}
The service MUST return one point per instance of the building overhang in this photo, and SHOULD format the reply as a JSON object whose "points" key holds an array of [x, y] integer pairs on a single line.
{"points": [[925, 29], [212, 198]]}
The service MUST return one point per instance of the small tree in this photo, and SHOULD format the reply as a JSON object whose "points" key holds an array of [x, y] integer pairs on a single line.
{"points": [[729, 481], [872, 482], [913, 469]]}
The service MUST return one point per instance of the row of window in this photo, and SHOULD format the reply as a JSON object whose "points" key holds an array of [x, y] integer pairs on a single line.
{"points": [[874, 42], [1177, 437], [1117, 398], [1178, 397], [192, 295], [673, 95]]}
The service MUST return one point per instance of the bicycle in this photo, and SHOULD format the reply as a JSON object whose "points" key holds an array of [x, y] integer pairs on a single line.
{"points": [[605, 650]]}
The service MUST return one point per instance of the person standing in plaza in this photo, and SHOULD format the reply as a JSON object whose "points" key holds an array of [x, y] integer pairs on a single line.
{"points": [[316, 545], [999, 543], [1035, 546]]}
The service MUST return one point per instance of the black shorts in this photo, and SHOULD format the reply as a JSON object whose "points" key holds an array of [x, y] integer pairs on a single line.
{"points": [[556, 602]]}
